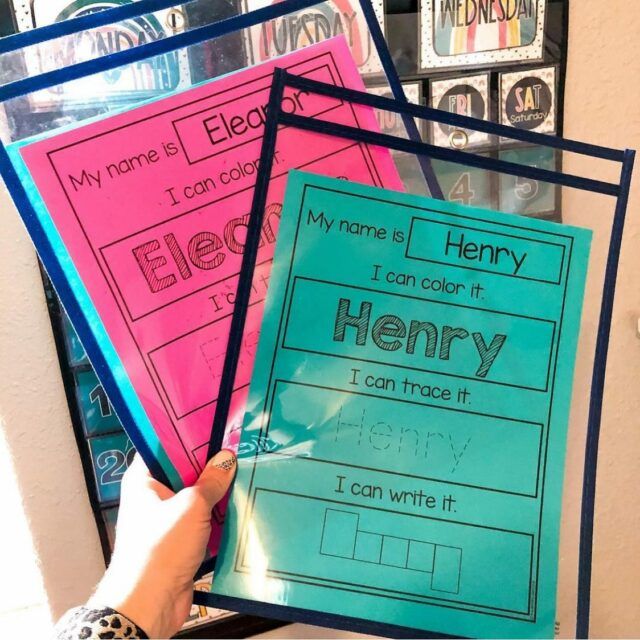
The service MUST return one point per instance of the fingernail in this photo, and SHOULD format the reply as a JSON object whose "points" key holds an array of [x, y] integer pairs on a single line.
{"points": [[224, 459]]}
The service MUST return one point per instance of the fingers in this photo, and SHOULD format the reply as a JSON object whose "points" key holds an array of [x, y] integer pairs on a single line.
{"points": [[137, 468], [210, 487], [138, 479], [216, 478]]}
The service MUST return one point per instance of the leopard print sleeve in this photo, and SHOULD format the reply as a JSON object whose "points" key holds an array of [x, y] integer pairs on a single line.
{"points": [[82, 623]]}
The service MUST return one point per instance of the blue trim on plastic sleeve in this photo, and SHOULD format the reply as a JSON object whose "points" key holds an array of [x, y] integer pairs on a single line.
{"points": [[294, 614], [151, 49], [448, 155], [245, 280], [82, 23], [398, 92], [595, 405]]}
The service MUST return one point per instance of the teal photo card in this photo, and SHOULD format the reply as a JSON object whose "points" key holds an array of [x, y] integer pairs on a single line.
{"points": [[403, 449]]}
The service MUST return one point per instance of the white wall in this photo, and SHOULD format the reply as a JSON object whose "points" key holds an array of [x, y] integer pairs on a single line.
{"points": [[602, 106], [39, 438]]}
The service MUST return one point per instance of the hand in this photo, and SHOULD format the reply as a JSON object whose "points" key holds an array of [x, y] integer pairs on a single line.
{"points": [[160, 543]]}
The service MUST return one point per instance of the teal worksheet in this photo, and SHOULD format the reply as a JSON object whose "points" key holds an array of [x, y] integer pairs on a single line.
{"points": [[403, 449]]}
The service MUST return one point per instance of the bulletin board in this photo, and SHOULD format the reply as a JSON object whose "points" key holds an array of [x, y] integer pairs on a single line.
{"points": [[519, 88]]}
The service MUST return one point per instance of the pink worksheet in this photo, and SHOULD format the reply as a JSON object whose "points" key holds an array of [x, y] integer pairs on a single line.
{"points": [[151, 206]]}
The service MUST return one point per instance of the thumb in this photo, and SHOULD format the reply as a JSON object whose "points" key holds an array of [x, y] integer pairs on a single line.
{"points": [[216, 478]]}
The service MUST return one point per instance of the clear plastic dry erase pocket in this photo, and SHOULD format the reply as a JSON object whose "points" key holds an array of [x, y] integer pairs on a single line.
{"points": [[420, 432], [133, 138]]}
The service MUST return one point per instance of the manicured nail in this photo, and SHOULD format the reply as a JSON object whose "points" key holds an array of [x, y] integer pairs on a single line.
{"points": [[225, 460]]}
